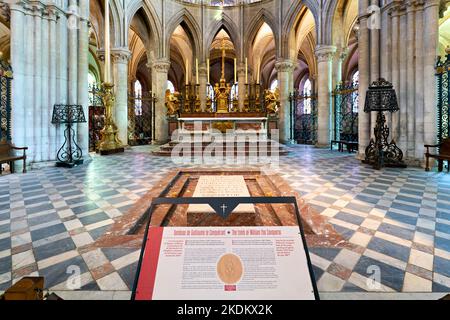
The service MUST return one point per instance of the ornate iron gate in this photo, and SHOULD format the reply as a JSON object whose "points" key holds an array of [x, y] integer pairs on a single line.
{"points": [[141, 120], [303, 110], [443, 95], [96, 116], [5, 100], [346, 101]]}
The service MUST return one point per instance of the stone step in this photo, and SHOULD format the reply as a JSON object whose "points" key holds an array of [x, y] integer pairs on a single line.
{"points": [[246, 148], [268, 143], [193, 154], [168, 152]]}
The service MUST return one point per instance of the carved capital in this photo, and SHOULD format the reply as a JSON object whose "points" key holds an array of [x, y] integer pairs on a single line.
{"points": [[325, 53], [120, 55], [203, 71], [344, 53], [284, 66], [161, 65]]}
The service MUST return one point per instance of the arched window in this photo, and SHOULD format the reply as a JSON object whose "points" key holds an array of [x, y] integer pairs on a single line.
{"points": [[274, 85], [234, 91], [91, 79], [307, 88], [170, 86], [210, 95], [138, 97], [355, 78]]}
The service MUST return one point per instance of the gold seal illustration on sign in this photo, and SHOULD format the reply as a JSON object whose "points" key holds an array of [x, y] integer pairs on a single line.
{"points": [[230, 269]]}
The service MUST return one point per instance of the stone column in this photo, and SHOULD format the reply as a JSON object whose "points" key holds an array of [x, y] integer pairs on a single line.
{"points": [[284, 69], [410, 75], [45, 115], [160, 68], [374, 53], [62, 73], [241, 86], [83, 70], [430, 42], [120, 69], [395, 129], [73, 60], [35, 112], [325, 56], [419, 88], [403, 88], [364, 67], [52, 79], [203, 79], [18, 65]]}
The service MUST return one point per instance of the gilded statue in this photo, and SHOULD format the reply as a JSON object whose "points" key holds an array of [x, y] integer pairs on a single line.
{"points": [[172, 103], [272, 99], [222, 93]]}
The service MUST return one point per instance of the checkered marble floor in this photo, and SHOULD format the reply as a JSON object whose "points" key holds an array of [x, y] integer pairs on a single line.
{"points": [[399, 220]]}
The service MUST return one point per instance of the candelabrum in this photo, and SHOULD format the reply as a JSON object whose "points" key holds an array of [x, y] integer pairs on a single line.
{"points": [[198, 106], [109, 143]]}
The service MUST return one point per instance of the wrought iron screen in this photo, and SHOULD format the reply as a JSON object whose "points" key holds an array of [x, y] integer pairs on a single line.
{"points": [[346, 101], [141, 121], [304, 113], [443, 95], [96, 116], [5, 100]]}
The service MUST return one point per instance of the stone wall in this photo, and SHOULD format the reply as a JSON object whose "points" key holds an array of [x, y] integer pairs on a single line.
{"points": [[49, 56]]}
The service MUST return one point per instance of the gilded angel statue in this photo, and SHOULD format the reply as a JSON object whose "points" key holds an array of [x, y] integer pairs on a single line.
{"points": [[272, 99], [172, 103]]}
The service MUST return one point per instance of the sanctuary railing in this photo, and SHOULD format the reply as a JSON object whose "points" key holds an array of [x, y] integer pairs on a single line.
{"points": [[303, 110], [6, 77], [96, 116], [141, 119], [346, 99], [443, 95]]}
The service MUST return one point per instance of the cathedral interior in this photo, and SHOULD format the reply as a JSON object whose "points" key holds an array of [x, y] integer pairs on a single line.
{"points": [[351, 95]]}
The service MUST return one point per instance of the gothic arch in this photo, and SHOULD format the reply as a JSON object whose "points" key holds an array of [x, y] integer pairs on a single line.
{"points": [[138, 50], [328, 16], [191, 28], [297, 10], [229, 26], [263, 16], [117, 26], [151, 18], [336, 28], [97, 19]]}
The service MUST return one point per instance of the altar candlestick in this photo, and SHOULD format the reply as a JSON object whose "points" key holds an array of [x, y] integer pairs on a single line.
{"points": [[246, 71], [196, 71], [235, 70], [207, 69], [258, 71], [187, 72], [107, 45]]}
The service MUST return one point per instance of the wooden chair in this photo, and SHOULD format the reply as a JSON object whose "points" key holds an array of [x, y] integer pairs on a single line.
{"points": [[444, 155], [8, 155]]}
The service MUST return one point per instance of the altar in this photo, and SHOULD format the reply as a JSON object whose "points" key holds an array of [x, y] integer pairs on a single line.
{"points": [[223, 107], [224, 123]]}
